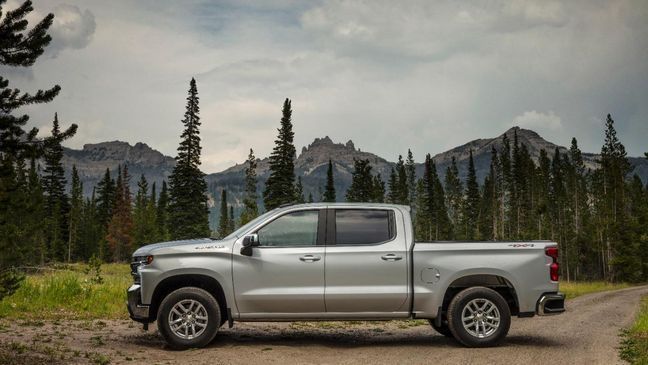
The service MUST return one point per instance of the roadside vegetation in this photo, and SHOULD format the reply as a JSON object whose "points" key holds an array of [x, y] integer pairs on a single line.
{"points": [[74, 291], [634, 347], [575, 289]]}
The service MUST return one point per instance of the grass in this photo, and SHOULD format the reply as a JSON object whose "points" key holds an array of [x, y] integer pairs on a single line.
{"points": [[70, 293], [634, 347], [575, 289]]}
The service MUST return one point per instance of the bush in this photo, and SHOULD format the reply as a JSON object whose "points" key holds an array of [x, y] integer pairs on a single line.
{"points": [[10, 280]]}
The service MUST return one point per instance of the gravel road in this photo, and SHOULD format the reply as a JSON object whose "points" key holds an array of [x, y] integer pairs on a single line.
{"points": [[588, 333]]}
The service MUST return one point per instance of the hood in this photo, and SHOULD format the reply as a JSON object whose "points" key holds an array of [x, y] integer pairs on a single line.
{"points": [[148, 249]]}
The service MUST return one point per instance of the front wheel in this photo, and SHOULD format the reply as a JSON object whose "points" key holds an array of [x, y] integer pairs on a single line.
{"points": [[189, 317], [479, 317]]}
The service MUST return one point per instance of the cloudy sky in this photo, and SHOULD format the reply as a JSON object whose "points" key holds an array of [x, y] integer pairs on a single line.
{"points": [[391, 75]]}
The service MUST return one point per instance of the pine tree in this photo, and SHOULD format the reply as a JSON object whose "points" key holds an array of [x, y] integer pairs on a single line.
{"points": [[36, 245], [392, 184], [402, 193], [223, 220], [105, 198], [362, 187], [56, 203], [144, 215], [231, 224], [120, 228], [454, 197], [310, 197], [19, 47], [76, 210], [280, 186], [299, 191], [250, 208], [410, 172], [378, 189], [162, 214], [329, 190], [91, 230], [188, 190], [471, 206], [621, 255]]}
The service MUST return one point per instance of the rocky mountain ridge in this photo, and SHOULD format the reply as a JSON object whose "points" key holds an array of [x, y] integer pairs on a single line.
{"points": [[311, 164]]}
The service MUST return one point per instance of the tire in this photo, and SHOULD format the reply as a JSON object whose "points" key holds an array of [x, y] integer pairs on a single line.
{"points": [[484, 330], [196, 314], [443, 329]]}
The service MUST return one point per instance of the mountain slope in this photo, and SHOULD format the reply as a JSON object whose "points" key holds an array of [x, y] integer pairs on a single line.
{"points": [[311, 164]]}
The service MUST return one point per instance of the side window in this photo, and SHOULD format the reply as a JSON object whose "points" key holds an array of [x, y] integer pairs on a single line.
{"points": [[363, 226], [292, 229]]}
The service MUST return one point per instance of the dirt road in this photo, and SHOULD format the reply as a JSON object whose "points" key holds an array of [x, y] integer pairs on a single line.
{"points": [[587, 334]]}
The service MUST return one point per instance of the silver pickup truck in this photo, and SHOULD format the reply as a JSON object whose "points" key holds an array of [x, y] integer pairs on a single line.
{"points": [[341, 261]]}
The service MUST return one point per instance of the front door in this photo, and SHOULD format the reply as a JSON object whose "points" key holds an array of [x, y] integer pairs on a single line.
{"points": [[366, 263], [285, 274]]}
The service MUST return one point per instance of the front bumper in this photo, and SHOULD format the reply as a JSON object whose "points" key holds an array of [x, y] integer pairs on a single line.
{"points": [[138, 312], [550, 304]]}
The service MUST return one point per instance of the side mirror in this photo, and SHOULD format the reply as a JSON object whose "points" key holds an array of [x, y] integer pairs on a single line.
{"points": [[249, 241]]}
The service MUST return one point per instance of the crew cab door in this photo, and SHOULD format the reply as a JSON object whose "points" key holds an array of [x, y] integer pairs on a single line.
{"points": [[366, 263], [284, 277]]}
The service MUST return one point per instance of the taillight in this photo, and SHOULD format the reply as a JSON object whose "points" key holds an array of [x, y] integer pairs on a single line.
{"points": [[553, 268]]}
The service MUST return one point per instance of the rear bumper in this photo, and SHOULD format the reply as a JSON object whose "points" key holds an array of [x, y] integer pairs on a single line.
{"points": [[550, 304], [137, 311]]}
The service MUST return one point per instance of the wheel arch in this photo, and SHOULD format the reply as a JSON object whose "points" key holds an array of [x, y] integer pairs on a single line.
{"points": [[205, 282], [493, 280]]}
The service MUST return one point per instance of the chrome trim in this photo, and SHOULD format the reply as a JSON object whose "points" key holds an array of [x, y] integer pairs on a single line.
{"points": [[547, 298]]}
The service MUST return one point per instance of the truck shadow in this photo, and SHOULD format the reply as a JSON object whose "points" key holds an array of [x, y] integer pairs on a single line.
{"points": [[342, 338]]}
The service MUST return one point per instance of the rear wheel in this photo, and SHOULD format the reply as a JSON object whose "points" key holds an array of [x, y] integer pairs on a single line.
{"points": [[189, 317], [479, 317]]}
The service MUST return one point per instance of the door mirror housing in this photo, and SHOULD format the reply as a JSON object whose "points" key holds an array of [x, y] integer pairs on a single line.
{"points": [[249, 241]]}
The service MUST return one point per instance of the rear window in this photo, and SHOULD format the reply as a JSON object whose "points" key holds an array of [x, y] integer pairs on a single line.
{"points": [[363, 226]]}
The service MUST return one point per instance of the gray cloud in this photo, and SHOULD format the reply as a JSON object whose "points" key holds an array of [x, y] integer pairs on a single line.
{"points": [[389, 75], [72, 28]]}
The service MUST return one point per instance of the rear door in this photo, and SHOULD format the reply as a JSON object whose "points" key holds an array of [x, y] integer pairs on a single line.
{"points": [[284, 277], [366, 263]]}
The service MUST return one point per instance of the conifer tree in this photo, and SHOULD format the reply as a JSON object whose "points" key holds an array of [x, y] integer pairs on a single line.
{"points": [[299, 191], [231, 226], [621, 256], [35, 205], [454, 197], [144, 215], [56, 203], [280, 186], [76, 210], [223, 220], [378, 189], [410, 172], [120, 228], [162, 214], [310, 197], [91, 230], [329, 190], [402, 193], [250, 208], [362, 187], [188, 190], [392, 184], [19, 47], [105, 198], [471, 206]]}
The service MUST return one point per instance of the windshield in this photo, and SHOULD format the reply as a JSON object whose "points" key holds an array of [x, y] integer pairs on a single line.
{"points": [[248, 225]]}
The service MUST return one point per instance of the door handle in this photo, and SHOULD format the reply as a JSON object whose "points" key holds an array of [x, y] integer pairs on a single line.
{"points": [[310, 258], [391, 257]]}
